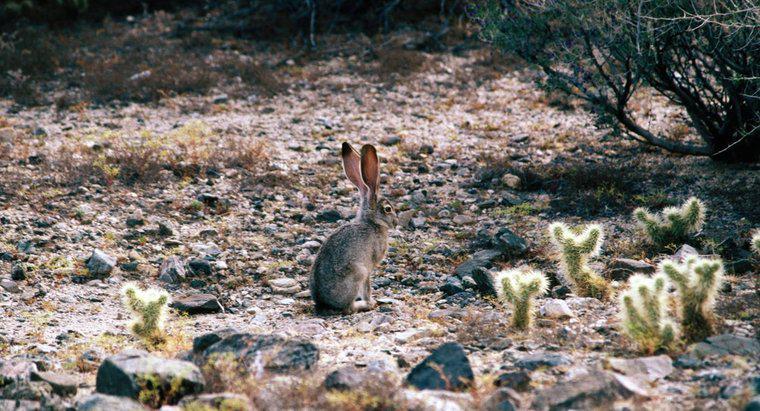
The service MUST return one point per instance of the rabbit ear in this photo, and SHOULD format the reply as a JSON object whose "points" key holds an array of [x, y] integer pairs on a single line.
{"points": [[370, 169], [352, 168]]}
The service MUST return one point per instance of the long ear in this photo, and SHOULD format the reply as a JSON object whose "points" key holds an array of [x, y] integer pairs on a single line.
{"points": [[370, 170], [352, 168]]}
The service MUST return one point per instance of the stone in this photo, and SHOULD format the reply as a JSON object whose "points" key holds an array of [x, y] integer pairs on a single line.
{"points": [[434, 400], [10, 286], [452, 286], [542, 359], [19, 405], [18, 272], [593, 390], [100, 264], [165, 228], [390, 140], [725, 344], [284, 285], [649, 369], [561, 291], [345, 379], [481, 259], [555, 308], [683, 252], [510, 180], [199, 266], [329, 216], [12, 370], [516, 380], [204, 341], [259, 352], [27, 390], [197, 304], [463, 219], [484, 281], [509, 243], [227, 401], [446, 368], [101, 402], [172, 271], [418, 222], [622, 268], [125, 374], [63, 385], [502, 399], [753, 404]]}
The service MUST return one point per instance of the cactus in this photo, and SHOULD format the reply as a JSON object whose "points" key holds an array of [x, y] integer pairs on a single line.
{"points": [[697, 281], [149, 308], [755, 242], [576, 247], [674, 225], [644, 315], [519, 288]]}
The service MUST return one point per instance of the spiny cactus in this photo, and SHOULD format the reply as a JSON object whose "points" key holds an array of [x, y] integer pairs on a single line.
{"points": [[755, 242], [697, 281], [576, 246], [519, 288], [644, 315], [674, 224], [149, 308]]}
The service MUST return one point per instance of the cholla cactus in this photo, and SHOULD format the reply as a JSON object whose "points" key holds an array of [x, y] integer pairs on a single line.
{"points": [[674, 225], [519, 288], [755, 242], [644, 316], [697, 281], [576, 247], [149, 308]]}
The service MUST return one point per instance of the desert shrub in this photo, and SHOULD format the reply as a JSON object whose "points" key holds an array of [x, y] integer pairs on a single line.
{"points": [[701, 55], [755, 242], [644, 313], [697, 281], [576, 246], [520, 288], [149, 308], [674, 225]]}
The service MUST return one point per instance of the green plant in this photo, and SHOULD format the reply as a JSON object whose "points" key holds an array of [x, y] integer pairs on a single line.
{"points": [[697, 281], [576, 246], [755, 242], [644, 314], [149, 308], [674, 224], [519, 288]]}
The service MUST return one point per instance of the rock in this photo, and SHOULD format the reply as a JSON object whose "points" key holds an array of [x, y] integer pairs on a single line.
{"points": [[390, 140], [753, 404], [509, 243], [199, 266], [100, 264], [725, 344], [12, 370], [481, 259], [226, 401], [484, 281], [418, 222], [434, 400], [502, 399], [561, 291], [165, 228], [517, 380], [101, 402], [555, 308], [543, 359], [63, 385], [452, 286], [329, 216], [27, 390], [172, 271], [446, 368], [593, 390], [18, 272], [19, 405], [10, 286], [284, 285], [258, 352], [463, 219], [622, 268], [197, 304], [649, 369], [220, 99], [510, 180], [125, 374], [345, 379], [683, 252]]}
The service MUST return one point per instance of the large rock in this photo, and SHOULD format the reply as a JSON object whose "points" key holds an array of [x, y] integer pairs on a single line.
{"points": [[593, 390], [19, 405], [649, 369], [502, 399], [481, 259], [62, 384], [254, 353], [226, 401], [172, 271], [542, 359], [100, 264], [725, 344], [484, 281], [130, 372], [434, 400], [102, 402], [509, 243], [197, 304], [446, 368], [16, 370], [516, 380], [622, 268], [555, 308]]}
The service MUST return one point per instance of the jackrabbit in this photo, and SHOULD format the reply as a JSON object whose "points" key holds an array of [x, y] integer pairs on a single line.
{"points": [[340, 276]]}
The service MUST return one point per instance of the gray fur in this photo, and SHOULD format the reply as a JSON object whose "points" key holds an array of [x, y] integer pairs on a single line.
{"points": [[341, 274]]}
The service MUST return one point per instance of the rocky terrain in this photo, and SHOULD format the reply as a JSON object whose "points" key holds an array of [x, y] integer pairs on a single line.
{"points": [[233, 196]]}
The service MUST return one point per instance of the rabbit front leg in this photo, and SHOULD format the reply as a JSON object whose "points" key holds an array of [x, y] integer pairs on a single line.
{"points": [[371, 303]]}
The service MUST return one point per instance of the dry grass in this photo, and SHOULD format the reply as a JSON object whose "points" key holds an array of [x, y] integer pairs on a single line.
{"points": [[398, 63]]}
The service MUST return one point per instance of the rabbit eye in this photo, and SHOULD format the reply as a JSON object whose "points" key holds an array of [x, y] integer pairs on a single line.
{"points": [[387, 208]]}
